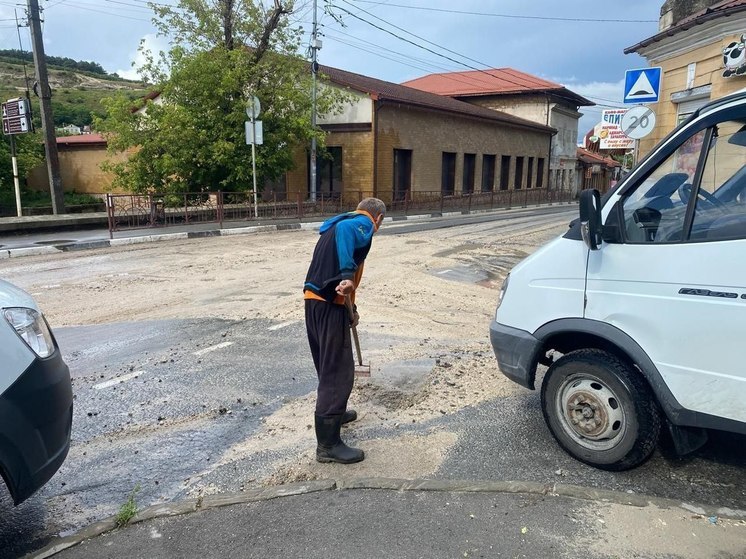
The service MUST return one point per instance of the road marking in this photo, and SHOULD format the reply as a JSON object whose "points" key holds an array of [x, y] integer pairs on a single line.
{"points": [[118, 380], [282, 325], [202, 352]]}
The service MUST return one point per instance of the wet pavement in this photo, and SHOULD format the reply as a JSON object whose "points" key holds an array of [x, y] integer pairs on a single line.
{"points": [[158, 403]]}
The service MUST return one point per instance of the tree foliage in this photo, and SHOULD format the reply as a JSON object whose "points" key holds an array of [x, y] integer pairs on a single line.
{"points": [[223, 51], [30, 153], [61, 61]]}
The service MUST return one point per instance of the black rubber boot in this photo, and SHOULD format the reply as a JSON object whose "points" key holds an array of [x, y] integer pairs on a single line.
{"points": [[330, 447], [348, 416]]}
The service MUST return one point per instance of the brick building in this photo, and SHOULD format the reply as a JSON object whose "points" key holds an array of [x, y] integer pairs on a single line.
{"points": [[524, 96], [393, 140]]}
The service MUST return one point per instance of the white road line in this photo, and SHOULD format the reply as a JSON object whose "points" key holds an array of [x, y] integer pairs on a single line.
{"points": [[202, 352], [118, 380], [282, 325]]}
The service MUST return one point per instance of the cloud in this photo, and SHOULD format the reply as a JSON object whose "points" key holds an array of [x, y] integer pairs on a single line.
{"points": [[606, 95], [151, 42]]}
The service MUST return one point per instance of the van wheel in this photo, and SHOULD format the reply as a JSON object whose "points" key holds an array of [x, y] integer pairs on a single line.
{"points": [[600, 410]]}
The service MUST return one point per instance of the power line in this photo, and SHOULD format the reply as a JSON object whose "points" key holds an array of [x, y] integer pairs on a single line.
{"points": [[426, 48], [515, 16]]}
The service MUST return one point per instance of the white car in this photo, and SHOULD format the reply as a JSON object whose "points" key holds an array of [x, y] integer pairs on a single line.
{"points": [[639, 309], [36, 400]]}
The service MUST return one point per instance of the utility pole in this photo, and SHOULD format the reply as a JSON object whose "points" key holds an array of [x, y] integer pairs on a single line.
{"points": [[315, 46], [44, 92]]}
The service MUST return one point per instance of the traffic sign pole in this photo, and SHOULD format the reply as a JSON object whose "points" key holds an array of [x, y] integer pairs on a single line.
{"points": [[16, 183], [253, 160]]}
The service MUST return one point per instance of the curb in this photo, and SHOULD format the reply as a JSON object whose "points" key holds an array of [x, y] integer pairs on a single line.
{"points": [[392, 484]]}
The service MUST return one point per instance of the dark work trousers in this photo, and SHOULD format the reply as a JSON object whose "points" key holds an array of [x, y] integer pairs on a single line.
{"points": [[328, 328]]}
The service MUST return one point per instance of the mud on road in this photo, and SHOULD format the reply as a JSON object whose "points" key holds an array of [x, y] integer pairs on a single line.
{"points": [[425, 302]]}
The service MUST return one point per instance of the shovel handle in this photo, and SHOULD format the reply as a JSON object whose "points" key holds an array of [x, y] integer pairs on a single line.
{"points": [[351, 312]]}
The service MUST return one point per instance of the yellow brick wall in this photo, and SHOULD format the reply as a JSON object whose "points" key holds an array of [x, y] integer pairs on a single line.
{"points": [[357, 165], [429, 134], [80, 170]]}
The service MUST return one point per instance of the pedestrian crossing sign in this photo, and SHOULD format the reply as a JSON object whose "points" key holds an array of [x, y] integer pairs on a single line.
{"points": [[642, 85]]}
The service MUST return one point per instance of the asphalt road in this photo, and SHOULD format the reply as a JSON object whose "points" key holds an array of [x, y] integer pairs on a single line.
{"points": [[157, 402]]}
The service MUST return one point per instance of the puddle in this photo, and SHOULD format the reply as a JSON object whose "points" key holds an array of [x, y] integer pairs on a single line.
{"points": [[407, 375], [463, 274]]}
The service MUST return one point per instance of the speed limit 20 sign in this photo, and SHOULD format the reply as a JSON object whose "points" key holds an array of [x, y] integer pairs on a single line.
{"points": [[638, 122]]}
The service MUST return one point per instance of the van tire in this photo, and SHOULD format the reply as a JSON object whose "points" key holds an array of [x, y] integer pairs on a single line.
{"points": [[600, 410]]}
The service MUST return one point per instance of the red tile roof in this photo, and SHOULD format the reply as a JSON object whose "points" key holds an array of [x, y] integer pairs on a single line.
{"points": [[81, 139], [383, 90], [716, 11], [495, 81], [595, 159]]}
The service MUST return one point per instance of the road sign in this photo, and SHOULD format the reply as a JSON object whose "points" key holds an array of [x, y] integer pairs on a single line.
{"points": [[642, 85], [250, 132], [253, 108], [16, 125], [638, 122], [16, 115], [15, 107]]}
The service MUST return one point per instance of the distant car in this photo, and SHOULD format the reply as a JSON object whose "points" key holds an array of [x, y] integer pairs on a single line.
{"points": [[36, 399]]}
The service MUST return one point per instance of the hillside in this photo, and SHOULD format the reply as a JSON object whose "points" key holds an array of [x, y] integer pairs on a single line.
{"points": [[76, 95]]}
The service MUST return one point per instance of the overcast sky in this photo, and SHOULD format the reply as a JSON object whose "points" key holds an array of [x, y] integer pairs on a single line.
{"points": [[578, 43]]}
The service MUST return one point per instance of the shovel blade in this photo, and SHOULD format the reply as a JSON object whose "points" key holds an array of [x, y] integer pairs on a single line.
{"points": [[362, 370]]}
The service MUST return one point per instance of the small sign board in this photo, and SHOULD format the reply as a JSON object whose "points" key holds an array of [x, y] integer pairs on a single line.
{"points": [[638, 122], [16, 125], [250, 127], [609, 131], [642, 85], [16, 116]]}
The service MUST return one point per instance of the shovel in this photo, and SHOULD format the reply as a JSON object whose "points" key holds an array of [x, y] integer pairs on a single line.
{"points": [[360, 369]]}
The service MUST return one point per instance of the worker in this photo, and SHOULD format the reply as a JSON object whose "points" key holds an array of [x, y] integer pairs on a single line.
{"points": [[334, 273]]}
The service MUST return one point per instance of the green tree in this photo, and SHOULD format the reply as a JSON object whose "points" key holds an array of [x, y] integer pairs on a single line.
{"points": [[30, 152], [223, 51]]}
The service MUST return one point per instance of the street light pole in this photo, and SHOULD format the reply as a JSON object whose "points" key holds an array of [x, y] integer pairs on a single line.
{"points": [[47, 121], [314, 70]]}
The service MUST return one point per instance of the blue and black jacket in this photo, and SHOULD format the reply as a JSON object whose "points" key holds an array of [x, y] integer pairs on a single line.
{"points": [[339, 254]]}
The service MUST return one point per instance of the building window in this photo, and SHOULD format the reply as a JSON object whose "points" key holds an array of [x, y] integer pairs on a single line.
{"points": [[518, 173], [504, 172], [540, 173], [470, 166], [530, 173], [488, 173], [448, 174], [328, 173], [402, 173]]}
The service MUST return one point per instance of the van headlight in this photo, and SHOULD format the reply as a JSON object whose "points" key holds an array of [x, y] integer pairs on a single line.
{"points": [[503, 289], [32, 328]]}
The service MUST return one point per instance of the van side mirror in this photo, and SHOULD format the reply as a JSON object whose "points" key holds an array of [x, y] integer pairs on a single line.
{"points": [[590, 218]]}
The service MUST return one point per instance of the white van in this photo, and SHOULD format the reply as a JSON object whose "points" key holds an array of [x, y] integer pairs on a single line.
{"points": [[638, 310], [36, 400]]}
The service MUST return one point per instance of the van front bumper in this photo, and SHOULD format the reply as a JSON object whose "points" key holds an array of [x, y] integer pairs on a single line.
{"points": [[516, 352], [35, 426]]}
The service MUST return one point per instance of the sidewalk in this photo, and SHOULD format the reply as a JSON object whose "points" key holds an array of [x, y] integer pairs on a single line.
{"points": [[54, 234], [375, 517]]}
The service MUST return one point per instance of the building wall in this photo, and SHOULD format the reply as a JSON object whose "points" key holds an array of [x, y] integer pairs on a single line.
{"points": [[80, 170], [357, 165], [704, 47], [360, 110], [564, 118], [429, 134]]}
